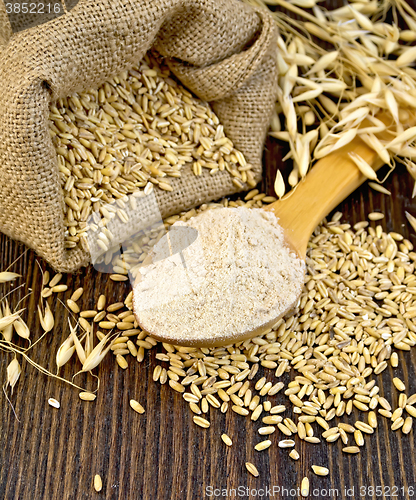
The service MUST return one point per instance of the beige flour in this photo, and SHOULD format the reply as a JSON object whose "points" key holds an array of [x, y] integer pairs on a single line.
{"points": [[238, 276]]}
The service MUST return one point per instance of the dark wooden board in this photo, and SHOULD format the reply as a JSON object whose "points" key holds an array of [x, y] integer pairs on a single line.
{"points": [[53, 454], [48, 454]]}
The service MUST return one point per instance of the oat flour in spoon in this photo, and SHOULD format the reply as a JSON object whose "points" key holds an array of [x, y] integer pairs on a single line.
{"points": [[236, 276]]}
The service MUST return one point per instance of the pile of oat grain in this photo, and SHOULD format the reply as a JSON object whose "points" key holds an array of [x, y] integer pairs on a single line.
{"points": [[134, 133]]}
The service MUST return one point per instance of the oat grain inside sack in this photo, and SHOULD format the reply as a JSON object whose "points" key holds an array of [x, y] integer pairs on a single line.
{"points": [[135, 132]]}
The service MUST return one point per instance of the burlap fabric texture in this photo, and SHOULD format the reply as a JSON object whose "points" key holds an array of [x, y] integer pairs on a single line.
{"points": [[222, 50]]}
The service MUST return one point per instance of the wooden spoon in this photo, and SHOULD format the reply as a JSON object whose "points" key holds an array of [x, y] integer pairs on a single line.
{"points": [[328, 183]]}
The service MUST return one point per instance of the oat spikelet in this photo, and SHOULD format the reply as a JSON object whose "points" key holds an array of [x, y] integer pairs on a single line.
{"points": [[323, 62], [407, 57], [304, 159], [21, 328], [343, 139], [291, 120], [293, 177], [275, 124], [304, 4], [279, 185], [406, 136], [411, 168], [364, 167], [359, 115], [6, 276], [317, 31], [289, 80], [375, 144], [97, 354], [65, 352], [80, 350], [412, 220], [89, 342], [13, 373], [379, 188], [334, 87], [408, 36], [392, 105], [7, 331], [9, 319], [362, 20], [46, 320], [306, 96], [283, 136]]}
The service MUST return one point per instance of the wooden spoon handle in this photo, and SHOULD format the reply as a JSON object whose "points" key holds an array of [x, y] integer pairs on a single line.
{"points": [[329, 182]]}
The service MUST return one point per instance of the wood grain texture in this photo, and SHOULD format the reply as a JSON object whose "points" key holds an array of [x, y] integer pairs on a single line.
{"points": [[49, 454], [53, 454]]}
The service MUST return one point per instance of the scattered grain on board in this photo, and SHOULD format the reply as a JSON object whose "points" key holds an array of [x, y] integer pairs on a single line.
{"points": [[227, 440], [328, 339], [202, 422], [304, 487], [252, 469], [320, 471], [53, 402], [351, 449], [87, 396], [263, 445], [399, 384], [136, 406], [375, 216], [98, 483]]}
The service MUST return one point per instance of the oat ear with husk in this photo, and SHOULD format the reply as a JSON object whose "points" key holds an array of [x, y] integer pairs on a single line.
{"points": [[329, 182]]}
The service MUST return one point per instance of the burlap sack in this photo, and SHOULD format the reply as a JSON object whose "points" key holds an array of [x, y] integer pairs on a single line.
{"points": [[222, 50]]}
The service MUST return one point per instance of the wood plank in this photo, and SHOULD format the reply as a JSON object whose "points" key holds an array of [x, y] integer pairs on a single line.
{"points": [[54, 454]]}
